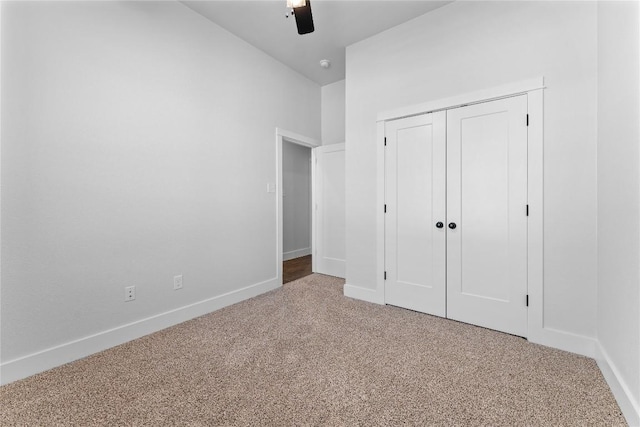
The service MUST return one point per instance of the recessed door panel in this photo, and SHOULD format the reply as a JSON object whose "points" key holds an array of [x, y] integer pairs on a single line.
{"points": [[486, 200], [415, 202], [485, 205]]}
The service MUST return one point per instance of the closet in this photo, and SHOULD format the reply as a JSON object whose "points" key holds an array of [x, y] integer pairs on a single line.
{"points": [[455, 223]]}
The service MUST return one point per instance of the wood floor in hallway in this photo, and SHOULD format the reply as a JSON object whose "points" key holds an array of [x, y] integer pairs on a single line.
{"points": [[296, 268]]}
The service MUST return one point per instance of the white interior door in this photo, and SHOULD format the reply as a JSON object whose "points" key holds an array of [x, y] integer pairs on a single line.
{"points": [[329, 214], [487, 202], [415, 203]]}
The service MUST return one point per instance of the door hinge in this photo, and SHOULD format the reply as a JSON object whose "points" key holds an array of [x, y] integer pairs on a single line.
{"points": [[385, 208], [385, 275], [527, 300], [385, 141], [527, 120], [527, 210]]}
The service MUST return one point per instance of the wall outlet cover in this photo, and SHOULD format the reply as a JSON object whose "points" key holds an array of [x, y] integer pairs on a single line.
{"points": [[129, 293], [177, 282]]}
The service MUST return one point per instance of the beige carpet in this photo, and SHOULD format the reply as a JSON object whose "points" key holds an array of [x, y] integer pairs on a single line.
{"points": [[306, 355]]}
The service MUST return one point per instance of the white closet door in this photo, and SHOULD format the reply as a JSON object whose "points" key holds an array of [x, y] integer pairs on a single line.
{"points": [[330, 242], [415, 202], [486, 200]]}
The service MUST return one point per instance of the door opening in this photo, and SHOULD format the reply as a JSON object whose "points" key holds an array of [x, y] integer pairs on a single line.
{"points": [[294, 194], [296, 211]]}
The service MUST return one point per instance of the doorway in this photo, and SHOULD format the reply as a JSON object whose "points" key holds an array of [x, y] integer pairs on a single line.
{"points": [[327, 177], [287, 143], [296, 211]]}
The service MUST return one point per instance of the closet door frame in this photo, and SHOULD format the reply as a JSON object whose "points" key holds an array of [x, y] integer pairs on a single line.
{"points": [[534, 88]]}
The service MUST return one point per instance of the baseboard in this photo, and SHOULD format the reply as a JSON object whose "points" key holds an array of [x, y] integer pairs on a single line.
{"points": [[629, 407], [31, 364], [364, 294], [286, 256], [573, 343]]}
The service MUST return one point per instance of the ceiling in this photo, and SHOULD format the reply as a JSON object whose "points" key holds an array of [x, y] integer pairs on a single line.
{"points": [[338, 24]]}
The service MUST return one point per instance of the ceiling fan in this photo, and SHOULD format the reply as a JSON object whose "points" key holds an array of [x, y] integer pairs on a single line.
{"points": [[301, 9]]}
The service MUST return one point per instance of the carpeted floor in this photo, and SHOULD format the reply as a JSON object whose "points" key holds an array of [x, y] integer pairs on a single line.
{"points": [[306, 355]]}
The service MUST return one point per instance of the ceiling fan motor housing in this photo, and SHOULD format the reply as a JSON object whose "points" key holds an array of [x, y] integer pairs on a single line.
{"points": [[304, 18]]}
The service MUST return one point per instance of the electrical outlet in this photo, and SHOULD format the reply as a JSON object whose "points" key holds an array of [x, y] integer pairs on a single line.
{"points": [[129, 293], [177, 282]]}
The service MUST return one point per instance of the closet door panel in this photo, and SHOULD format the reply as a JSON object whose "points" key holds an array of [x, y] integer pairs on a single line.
{"points": [[415, 202], [486, 200]]}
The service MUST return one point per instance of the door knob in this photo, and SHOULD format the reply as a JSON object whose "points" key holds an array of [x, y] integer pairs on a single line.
{"points": [[452, 225], [439, 224]]}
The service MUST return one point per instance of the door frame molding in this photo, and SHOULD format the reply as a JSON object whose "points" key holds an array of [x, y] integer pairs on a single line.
{"points": [[534, 88], [281, 136]]}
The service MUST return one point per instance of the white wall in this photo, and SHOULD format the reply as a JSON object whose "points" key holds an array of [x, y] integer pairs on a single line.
{"points": [[333, 118], [137, 142], [469, 46], [296, 202], [619, 193]]}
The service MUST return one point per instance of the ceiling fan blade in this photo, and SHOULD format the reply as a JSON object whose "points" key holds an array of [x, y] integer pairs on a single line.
{"points": [[304, 18]]}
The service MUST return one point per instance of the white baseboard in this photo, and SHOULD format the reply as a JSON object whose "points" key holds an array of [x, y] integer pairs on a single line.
{"points": [[364, 294], [573, 343], [286, 256], [31, 364], [628, 405]]}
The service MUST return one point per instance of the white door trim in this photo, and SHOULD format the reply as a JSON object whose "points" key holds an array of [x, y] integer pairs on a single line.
{"points": [[281, 136], [491, 94], [534, 88]]}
